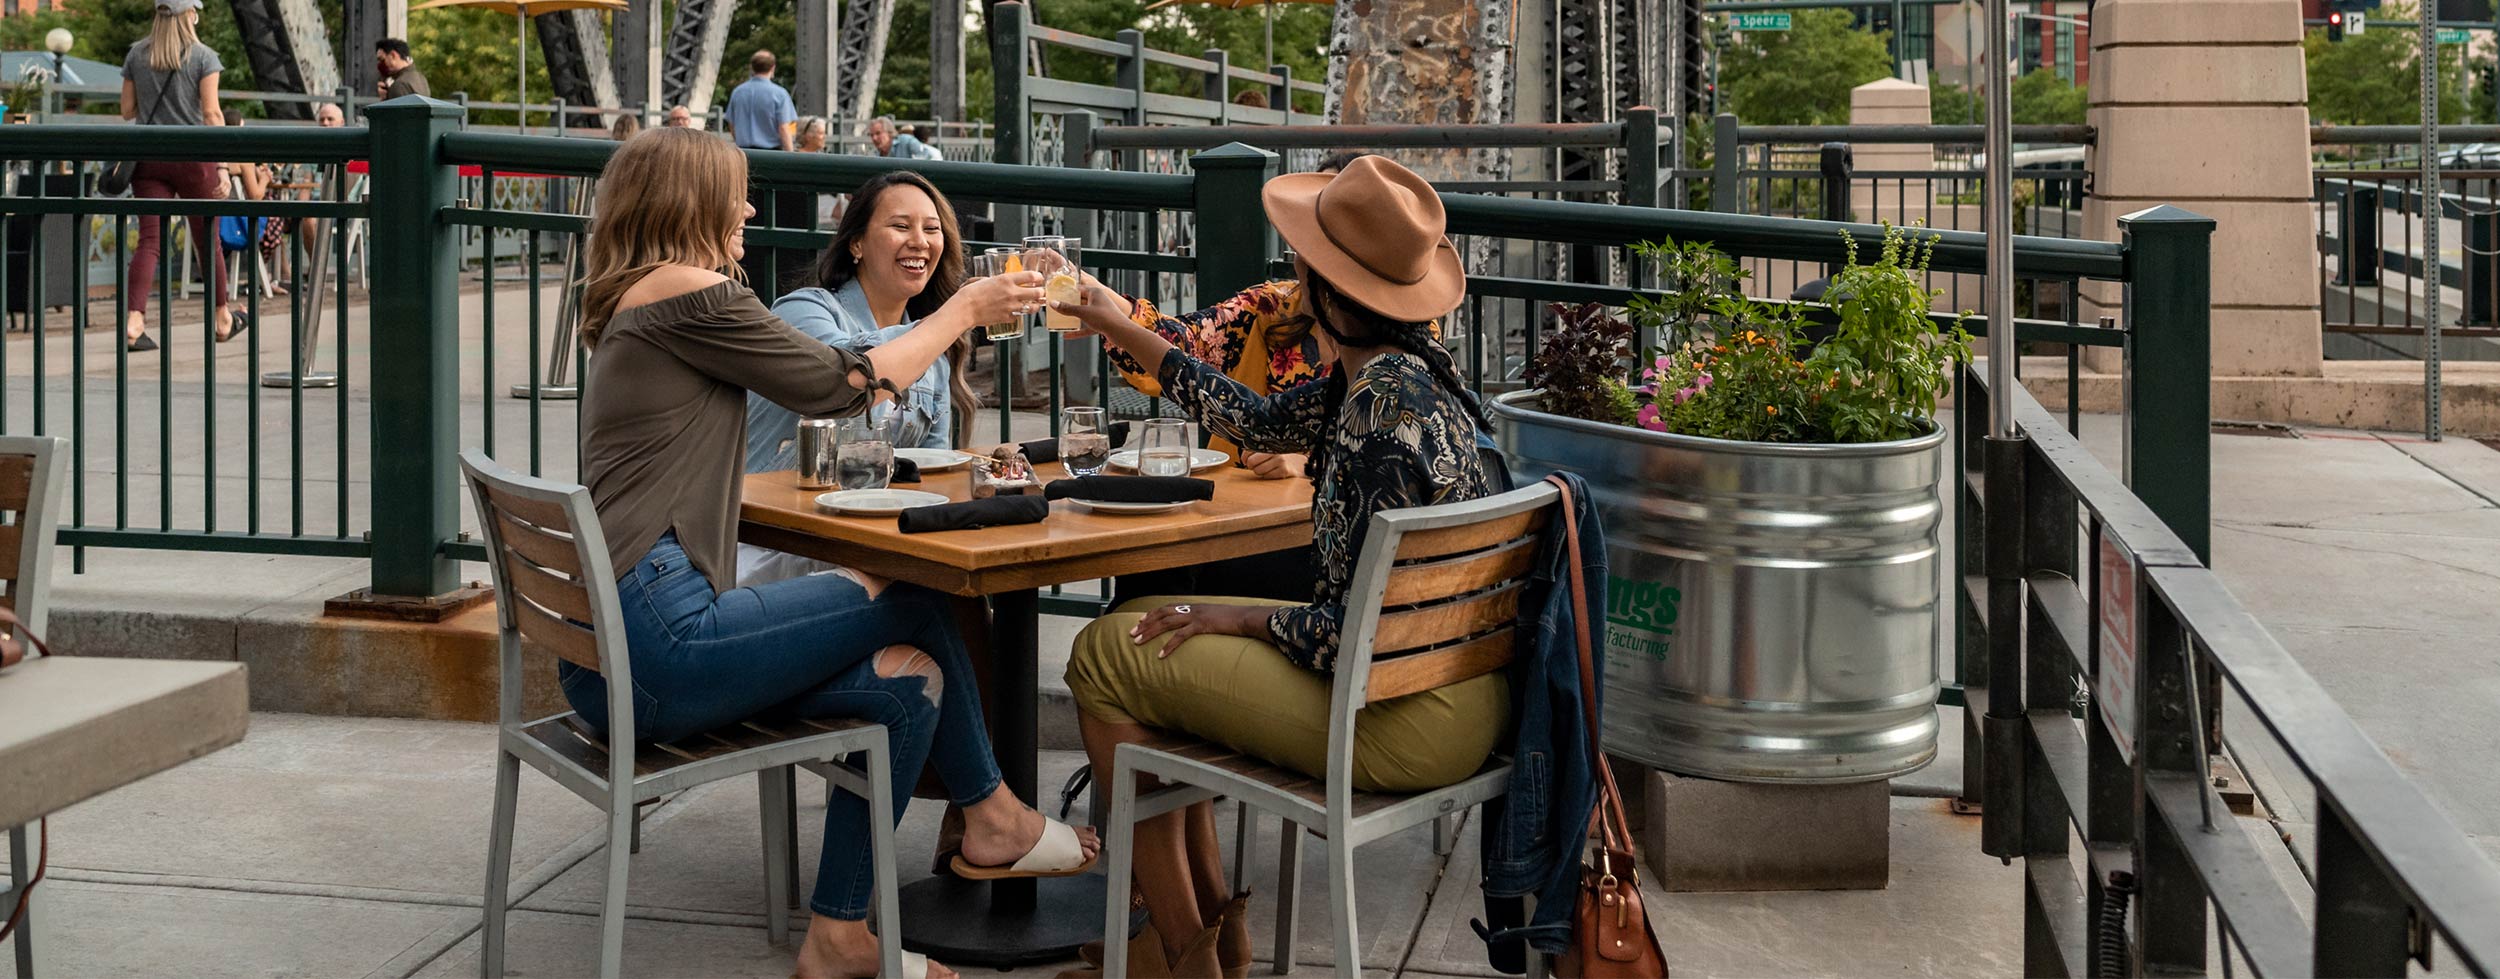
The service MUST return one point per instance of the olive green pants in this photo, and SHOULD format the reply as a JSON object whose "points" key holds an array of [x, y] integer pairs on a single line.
{"points": [[1245, 695]]}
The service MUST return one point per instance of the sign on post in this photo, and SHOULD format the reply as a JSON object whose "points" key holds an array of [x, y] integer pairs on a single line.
{"points": [[2113, 684], [1777, 21], [2354, 22], [2452, 35]]}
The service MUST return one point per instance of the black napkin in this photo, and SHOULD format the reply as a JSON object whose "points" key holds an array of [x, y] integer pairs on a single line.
{"points": [[1040, 451], [905, 471], [997, 511], [1131, 489]]}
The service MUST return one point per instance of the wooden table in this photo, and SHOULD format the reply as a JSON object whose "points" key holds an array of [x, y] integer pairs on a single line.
{"points": [[1021, 921], [73, 728]]}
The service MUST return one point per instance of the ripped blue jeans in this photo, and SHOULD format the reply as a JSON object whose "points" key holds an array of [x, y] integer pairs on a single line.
{"points": [[804, 647]]}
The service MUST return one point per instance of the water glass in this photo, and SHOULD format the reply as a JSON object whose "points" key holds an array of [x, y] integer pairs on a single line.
{"points": [[1084, 440], [1000, 261], [1057, 259], [1164, 448], [864, 456]]}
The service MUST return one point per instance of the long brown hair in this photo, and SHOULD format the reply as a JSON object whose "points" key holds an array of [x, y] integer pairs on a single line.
{"points": [[170, 38], [837, 267], [668, 197]]}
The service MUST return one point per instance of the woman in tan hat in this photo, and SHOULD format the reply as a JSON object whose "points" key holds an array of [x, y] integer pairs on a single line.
{"points": [[1391, 426]]}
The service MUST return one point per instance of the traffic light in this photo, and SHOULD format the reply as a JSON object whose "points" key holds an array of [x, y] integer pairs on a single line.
{"points": [[2334, 25]]}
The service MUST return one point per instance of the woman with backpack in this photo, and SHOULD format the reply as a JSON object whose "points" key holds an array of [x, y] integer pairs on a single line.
{"points": [[170, 79]]}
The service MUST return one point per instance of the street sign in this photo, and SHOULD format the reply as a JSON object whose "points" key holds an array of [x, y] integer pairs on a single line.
{"points": [[1762, 22], [2113, 684], [2452, 35], [2355, 21]]}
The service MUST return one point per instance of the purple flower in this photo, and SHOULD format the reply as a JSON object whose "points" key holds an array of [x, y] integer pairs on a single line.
{"points": [[1648, 418]]}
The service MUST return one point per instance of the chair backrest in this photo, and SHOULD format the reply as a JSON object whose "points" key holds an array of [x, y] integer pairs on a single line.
{"points": [[1435, 600], [32, 471], [553, 584]]}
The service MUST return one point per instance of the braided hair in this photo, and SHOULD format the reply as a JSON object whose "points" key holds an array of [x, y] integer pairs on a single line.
{"points": [[1335, 312]]}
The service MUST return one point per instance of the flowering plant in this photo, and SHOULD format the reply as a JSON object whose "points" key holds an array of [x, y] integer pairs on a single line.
{"points": [[1744, 369]]}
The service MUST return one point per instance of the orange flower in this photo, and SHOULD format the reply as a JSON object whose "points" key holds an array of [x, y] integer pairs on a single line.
{"points": [[1771, 409]]}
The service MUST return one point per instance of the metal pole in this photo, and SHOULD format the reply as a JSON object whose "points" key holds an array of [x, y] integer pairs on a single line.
{"points": [[2434, 207], [521, 72], [2000, 227]]}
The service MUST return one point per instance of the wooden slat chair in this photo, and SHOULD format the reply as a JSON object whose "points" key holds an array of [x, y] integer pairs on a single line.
{"points": [[1435, 600], [32, 471], [555, 589]]}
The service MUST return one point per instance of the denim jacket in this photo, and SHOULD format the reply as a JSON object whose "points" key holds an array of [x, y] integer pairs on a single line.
{"points": [[841, 319], [1535, 834]]}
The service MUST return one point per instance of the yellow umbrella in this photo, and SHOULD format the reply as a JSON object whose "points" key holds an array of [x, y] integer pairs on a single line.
{"points": [[524, 10], [1233, 5]]}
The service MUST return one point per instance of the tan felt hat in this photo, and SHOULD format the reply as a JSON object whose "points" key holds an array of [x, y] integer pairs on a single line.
{"points": [[1376, 232]]}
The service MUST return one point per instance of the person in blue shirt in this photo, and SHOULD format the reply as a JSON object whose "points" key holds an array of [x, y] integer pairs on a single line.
{"points": [[896, 258], [761, 115], [899, 145]]}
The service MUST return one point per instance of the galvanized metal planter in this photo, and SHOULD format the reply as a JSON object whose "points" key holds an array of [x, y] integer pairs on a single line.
{"points": [[1772, 610]]}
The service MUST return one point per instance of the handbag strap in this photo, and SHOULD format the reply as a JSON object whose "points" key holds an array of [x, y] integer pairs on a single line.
{"points": [[1611, 825]]}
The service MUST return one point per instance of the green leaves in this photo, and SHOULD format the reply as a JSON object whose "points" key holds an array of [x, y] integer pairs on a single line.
{"points": [[1802, 76]]}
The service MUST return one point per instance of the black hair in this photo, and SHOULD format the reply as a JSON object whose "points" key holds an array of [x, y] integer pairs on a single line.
{"points": [[1352, 324], [395, 46]]}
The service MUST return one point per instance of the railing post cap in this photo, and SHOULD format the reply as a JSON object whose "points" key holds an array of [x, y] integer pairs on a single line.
{"points": [[415, 106], [1233, 156], [2167, 217]]}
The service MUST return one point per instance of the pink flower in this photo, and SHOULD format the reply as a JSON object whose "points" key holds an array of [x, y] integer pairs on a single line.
{"points": [[1664, 363], [1701, 382], [1648, 418]]}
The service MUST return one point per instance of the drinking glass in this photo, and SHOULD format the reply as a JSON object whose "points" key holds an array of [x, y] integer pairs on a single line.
{"points": [[1084, 441], [1164, 448], [863, 454], [1000, 261], [1057, 259]]}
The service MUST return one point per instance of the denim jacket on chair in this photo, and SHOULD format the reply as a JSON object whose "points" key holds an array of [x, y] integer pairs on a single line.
{"points": [[1535, 834]]}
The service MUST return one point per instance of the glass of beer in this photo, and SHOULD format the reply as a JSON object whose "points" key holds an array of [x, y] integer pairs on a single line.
{"points": [[1056, 258], [994, 262]]}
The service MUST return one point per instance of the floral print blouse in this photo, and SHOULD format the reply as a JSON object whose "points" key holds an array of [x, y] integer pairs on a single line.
{"points": [[1399, 440], [1231, 336]]}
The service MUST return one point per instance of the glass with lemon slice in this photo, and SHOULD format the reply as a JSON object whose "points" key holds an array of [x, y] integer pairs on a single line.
{"points": [[1057, 259], [1001, 261]]}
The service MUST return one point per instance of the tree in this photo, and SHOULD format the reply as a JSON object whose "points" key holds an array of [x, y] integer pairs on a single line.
{"points": [[2041, 98], [2376, 78], [1802, 75]]}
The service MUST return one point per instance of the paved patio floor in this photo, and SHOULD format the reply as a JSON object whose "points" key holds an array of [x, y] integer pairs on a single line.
{"points": [[356, 848]]}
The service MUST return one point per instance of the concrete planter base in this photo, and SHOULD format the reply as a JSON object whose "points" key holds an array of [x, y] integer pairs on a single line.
{"points": [[1706, 835]]}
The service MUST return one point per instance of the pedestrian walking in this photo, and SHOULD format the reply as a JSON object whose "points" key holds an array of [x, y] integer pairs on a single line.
{"points": [[170, 79], [761, 115]]}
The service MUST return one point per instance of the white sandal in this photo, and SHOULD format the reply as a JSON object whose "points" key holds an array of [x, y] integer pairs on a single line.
{"points": [[1057, 854]]}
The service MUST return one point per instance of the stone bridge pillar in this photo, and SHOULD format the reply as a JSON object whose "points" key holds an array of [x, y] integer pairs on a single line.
{"points": [[2204, 104]]}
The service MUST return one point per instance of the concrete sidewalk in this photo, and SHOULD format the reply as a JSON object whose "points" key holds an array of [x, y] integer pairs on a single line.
{"points": [[356, 847]]}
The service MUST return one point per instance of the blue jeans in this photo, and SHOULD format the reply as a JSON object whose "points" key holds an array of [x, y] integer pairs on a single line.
{"points": [[801, 648]]}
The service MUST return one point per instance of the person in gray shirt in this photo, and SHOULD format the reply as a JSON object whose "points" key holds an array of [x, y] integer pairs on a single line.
{"points": [[170, 79], [398, 67]]}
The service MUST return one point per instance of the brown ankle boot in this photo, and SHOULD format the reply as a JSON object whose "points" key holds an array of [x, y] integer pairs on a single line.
{"points": [[1145, 958], [1197, 959], [1232, 943]]}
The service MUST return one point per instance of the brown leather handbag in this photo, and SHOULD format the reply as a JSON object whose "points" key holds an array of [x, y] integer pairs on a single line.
{"points": [[1610, 936]]}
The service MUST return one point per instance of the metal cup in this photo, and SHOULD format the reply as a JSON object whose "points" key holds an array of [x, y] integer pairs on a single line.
{"points": [[816, 451]]}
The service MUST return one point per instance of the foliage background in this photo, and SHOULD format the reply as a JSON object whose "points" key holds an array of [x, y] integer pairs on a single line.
{"points": [[1802, 76]]}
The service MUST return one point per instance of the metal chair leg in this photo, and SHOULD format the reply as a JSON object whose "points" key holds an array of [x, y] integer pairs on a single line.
{"points": [[622, 818], [1245, 846], [1445, 834], [889, 912], [772, 800], [1288, 893], [1120, 845], [1341, 903], [31, 961], [499, 864]]}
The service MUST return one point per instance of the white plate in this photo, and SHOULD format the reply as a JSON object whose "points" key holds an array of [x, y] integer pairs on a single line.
{"points": [[934, 460], [877, 502], [1128, 509], [1200, 460]]}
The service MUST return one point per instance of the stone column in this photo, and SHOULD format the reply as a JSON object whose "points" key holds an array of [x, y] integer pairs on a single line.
{"points": [[1891, 102], [2204, 104]]}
